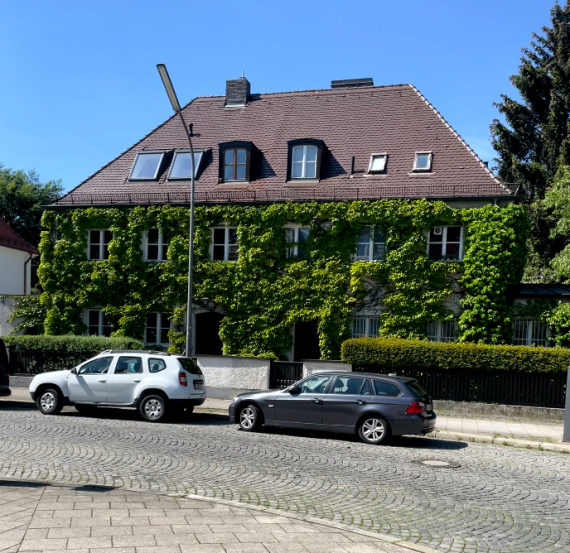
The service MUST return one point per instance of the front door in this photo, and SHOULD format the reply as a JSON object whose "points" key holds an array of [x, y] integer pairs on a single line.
{"points": [[302, 409], [306, 341], [124, 379], [345, 401], [89, 385], [208, 341]]}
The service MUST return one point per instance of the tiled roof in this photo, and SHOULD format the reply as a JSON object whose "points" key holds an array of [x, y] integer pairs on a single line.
{"points": [[10, 239], [356, 122]]}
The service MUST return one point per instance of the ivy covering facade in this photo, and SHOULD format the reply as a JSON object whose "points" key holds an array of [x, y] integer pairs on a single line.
{"points": [[265, 292]]}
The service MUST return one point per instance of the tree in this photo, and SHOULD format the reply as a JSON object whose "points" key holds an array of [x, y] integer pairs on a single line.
{"points": [[21, 197], [534, 141]]}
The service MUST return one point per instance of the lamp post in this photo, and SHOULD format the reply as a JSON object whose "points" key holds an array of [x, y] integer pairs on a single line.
{"points": [[177, 109]]}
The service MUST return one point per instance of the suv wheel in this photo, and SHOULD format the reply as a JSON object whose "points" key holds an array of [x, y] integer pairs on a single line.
{"points": [[152, 408], [373, 430], [50, 402], [249, 418]]}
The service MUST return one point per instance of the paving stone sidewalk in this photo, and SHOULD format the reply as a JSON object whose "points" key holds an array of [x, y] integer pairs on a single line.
{"points": [[37, 517]]}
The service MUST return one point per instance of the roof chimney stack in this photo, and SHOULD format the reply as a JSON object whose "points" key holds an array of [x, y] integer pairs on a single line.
{"points": [[352, 83], [237, 92]]}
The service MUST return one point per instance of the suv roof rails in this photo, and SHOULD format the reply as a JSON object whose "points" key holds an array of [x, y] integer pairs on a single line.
{"points": [[165, 353]]}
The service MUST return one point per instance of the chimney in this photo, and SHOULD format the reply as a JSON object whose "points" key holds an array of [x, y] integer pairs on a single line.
{"points": [[237, 92]]}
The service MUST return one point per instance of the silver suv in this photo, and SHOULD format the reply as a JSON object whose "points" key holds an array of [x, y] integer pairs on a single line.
{"points": [[151, 381]]}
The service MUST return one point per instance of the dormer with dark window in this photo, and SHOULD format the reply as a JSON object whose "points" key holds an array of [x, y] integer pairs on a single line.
{"points": [[235, 162], [305, 160], [147, 166]]}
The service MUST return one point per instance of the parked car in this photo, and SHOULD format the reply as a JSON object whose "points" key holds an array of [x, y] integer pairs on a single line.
{"points": [[4, 371], [372, 406], [153, 382]]}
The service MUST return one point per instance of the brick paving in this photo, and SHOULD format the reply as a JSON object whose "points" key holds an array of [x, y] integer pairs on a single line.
{"points": [[498, 500]]}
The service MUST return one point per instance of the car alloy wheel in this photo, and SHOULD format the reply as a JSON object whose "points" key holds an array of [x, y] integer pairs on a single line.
{"points": [[248, 418], [373, 430]]}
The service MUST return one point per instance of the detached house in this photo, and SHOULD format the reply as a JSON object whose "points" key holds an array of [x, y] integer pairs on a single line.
{"points": [[321, 214]]}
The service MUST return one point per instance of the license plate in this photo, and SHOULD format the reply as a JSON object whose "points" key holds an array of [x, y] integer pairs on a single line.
{"points": [[429, 408], [198, 384]]}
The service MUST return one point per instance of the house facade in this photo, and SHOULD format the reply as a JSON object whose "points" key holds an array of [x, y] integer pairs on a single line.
{"points": [[321, 214]]}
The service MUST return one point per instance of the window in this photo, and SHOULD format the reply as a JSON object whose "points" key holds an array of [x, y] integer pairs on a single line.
{"points": [[224, 244], [181, 167], [98, 324], [296, 239], [235, 164], [422, 161], [365, 326], [445, 243], [97, 366], [98, 246], [129, 365], [156, 365], [146, 166], [377, 163], [371, 244], [385, 388], [530, 332], [315, 384], [189, 366], [348, 385], [305, 159], [157, 327], [155, 245], [442, 331]]}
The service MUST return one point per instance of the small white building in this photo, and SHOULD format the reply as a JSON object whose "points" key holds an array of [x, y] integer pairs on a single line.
{"points": [[15, 262]]}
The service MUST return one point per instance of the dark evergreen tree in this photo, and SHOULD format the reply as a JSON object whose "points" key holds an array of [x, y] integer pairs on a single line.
{"points": [[534, 141]]}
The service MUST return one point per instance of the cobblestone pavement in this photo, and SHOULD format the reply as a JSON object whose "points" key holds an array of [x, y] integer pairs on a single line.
{"points": [[498, 500], [37, 517]]}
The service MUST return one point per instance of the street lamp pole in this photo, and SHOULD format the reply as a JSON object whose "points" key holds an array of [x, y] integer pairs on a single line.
{"points": [[188, 130]]}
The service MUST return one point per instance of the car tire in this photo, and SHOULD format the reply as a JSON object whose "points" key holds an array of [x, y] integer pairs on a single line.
{"points": [[152, 408], [373, 429], [85, 409], [248, 418], [49, 401]]}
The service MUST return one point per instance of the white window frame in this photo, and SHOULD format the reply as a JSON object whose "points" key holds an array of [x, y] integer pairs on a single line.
{"points": [[370, 326], [292, 247], [161, 243], [100, 324], [384, 155], [438, 331], [304, 161], [158, 328], [531, 323], [198, 155], [226, 244], [158, 166], [371, 244], [101, 244], [423, 169], [444, 241]]}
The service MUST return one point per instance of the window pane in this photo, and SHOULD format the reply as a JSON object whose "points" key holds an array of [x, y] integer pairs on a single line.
{"points": [[94, 236], [520, 332], [379, 252], [219, 235], [106, 331], [105, 252], [422, 161], [347, 385], [97, 366], [152, 253], [93, 318], [229, 157], [366, 389], [240, 172], [364, 234], [107, 236], [156, 365], [151, 320], [164, 252], [233, 253], [434, 251], [431, 331], [379, 236], [153, 236], [146, 166], [303, 235], [240, 156], [218, 253], [373, 326], [150, 337], [315, 385], [289, 235], [94, 252], [452, 251], [358, 327], [311, 154], [129, 365], [298, 153], [229, 172], [453, 234], [310, 170], [378, 163], [385, 388], [232, 236], [164, 335], [436, 234], [538, 334], [363, 252], [448, 331], [297, 171]]}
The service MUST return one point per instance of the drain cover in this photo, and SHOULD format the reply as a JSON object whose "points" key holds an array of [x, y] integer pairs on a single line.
{"points": [[435, 463]]}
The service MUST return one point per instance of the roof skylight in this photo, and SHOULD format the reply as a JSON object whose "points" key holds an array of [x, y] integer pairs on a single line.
{"points": [[423, 161], [181, 167], [377, 163], [146, 166]]}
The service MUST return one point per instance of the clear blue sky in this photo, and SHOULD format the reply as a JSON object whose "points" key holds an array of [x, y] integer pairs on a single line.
{"points": [[79, 83]]}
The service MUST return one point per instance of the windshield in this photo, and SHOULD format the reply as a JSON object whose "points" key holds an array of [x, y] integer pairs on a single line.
{"points": [[417, 387], [189, 365]]}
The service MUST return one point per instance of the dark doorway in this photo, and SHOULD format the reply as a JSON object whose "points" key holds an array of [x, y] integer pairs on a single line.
{"points": [[306, 341], [208, 334]]}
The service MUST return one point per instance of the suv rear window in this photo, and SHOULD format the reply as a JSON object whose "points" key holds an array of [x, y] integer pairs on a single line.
{"points": [[189, 365], [415, 386]]}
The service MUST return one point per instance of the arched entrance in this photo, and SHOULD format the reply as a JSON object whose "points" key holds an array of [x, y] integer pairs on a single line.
{"points": [[208, 340]]}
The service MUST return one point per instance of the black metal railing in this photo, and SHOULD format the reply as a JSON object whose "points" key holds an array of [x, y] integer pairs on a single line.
{"points": [[36, 362], [284, 373], [503, 387]]}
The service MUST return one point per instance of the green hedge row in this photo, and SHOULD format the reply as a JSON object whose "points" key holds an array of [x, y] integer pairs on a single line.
{"points": [[88, 345], [394, 353]]}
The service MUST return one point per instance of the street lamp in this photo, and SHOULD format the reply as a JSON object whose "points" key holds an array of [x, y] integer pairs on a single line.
{"points": [[177, 109]]}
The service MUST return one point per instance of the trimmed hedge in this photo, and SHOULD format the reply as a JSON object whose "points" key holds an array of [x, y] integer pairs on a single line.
{"points": [[88, 345], [394, 353]]}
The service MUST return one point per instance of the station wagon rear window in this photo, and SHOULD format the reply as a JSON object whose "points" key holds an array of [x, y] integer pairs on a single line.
{"points": [[385, 388], [417, 387], [189, 365]]}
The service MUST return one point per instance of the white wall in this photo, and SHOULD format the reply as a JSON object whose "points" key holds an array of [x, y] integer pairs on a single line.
{"points": [[12, 264], [7, 306]]}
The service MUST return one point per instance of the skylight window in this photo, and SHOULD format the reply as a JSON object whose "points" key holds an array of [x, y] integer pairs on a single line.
{"points": [[181, 164], [423, 161], [377, 163], [146, 166]]}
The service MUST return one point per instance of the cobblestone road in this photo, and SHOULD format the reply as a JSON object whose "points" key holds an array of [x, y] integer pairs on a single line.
{"points": [[499, 499]]}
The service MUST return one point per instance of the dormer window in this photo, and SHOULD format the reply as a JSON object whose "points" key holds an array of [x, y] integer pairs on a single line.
{"points": [[305, 159], [181, 167], [235, 161], [377, 163], [146, 166], [422, 162]]}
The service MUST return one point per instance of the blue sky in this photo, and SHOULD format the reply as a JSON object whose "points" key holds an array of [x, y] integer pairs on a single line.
{"points": [[79, 82]]}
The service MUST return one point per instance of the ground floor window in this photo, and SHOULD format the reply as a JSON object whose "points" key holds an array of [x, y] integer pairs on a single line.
{"points": [[98, 324], [365, 326], [157, 327], [442, 331], [530, 332]]}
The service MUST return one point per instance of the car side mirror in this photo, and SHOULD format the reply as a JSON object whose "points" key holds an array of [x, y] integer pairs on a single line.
{"points": [[74, 370], [295, 389]]}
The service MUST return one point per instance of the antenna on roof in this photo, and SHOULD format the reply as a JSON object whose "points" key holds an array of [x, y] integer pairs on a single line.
{"points": [[243, 74]]}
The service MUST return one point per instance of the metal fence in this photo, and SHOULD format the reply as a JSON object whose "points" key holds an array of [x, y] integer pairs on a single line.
{"points": [[283, 374], [36, 362], [504, 387]]}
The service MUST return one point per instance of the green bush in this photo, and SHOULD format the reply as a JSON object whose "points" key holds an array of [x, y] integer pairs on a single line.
{"points": [[91, 345], [394, 353]]}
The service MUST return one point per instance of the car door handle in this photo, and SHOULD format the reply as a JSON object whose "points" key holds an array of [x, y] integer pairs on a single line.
{"points": [[103, 380], [317, 401], [360, 402], [138, 380]]}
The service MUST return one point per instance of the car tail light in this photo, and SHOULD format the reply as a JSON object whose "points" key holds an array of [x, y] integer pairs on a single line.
{"points": [[415, 407], [182, 379]]}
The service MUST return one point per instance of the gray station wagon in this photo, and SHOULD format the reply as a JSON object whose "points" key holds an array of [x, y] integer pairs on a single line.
{"points": [[371, 405]]}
